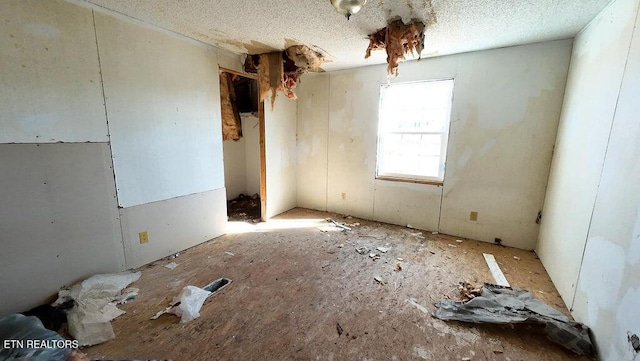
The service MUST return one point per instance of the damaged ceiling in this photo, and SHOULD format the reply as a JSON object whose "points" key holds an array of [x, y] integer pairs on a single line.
{"points": [[453, 26]]}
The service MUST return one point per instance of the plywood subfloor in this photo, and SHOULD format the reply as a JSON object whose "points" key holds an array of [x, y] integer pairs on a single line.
{"points": [[292, 286]]}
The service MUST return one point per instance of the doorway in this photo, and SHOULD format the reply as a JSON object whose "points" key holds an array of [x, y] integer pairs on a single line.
{"points": [[243, 146]]}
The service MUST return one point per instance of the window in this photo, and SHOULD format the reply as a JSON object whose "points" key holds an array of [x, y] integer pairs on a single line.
{"points": [[413, 130]]}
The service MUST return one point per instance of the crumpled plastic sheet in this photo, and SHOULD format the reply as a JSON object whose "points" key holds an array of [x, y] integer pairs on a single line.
{"points": [[189, 302], [20, 327], [96, 298], [500, 305]]}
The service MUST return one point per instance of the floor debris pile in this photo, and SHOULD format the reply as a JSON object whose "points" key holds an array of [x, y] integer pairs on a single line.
{"points": [[96, 300], [244, 208], [501, 305]]}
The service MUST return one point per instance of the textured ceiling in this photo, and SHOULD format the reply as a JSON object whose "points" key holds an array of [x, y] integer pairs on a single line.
{"points": [[455, 26]]}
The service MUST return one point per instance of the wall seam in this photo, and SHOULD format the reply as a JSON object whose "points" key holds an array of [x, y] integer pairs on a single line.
{"points": [[106, 115], [326, 188], [604, 160]]}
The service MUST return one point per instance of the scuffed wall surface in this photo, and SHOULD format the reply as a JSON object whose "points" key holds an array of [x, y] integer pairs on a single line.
{"points": [[608, 287], [167, 143], [48, 53], [597, 66], [58, 220], [505, 112], [280, 146], [313, 127]]}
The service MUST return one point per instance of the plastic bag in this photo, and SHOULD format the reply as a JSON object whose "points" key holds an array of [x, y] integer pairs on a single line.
{"points": [[191, 299]]}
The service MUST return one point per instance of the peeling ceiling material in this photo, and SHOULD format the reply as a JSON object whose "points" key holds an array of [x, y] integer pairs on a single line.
{"points": [[281, 71], [399, 39], [270, 69], [231, 123], [462, 26]]}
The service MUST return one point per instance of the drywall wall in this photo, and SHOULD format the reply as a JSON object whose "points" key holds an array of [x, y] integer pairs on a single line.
{"points": [[167, 143], [506, 102], [313, 128], [58, 220], [242, 160], [597, 65], [280, 149], [235, 167], [173, 225], [48, 53], [251, 136], [604, 248]]}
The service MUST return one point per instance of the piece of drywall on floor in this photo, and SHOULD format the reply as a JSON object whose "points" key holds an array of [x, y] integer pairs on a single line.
{"points": [[280, 149], [251, 136], [597, 65], [167, 143], [313, 126], [172, 225], [505, 113], [608, 287], [507, 103], [58, 220], [235, 167], [50, 76]]}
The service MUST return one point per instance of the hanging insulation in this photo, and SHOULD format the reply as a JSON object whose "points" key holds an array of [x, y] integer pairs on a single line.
{"points": [[231, 124], [398, 39]]}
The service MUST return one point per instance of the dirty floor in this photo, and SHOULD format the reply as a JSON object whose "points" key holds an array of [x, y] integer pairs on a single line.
{"points": [[294, 283], [244, 208]]}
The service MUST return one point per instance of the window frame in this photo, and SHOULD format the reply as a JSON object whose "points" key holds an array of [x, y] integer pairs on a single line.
{"points": [[414, 178]]}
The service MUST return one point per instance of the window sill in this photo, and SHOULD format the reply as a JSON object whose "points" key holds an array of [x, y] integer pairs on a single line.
{"points": [[409, 180]]}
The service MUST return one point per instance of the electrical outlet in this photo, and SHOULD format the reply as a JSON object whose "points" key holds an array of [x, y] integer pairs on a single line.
{"points": [[144, 237], [473, 216], [344, 196]]}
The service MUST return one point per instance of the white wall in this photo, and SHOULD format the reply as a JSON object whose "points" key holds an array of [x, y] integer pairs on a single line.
{"points": [[166, 142], [506, 101], [235, 167], [48, 53], [590, 238], [251, 136], [280, 149], [597, 66], [242, 159], [60, 219], [313, 129]]}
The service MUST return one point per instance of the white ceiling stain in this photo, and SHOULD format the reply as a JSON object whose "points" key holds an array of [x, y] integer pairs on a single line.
{"points": [[454, 26]]}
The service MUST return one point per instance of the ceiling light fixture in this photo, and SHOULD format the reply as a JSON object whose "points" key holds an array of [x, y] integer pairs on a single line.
{"points": [[348, 7]]}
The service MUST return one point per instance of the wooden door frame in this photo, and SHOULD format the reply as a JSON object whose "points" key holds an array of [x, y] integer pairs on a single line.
{"points": [[263, 152]]}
